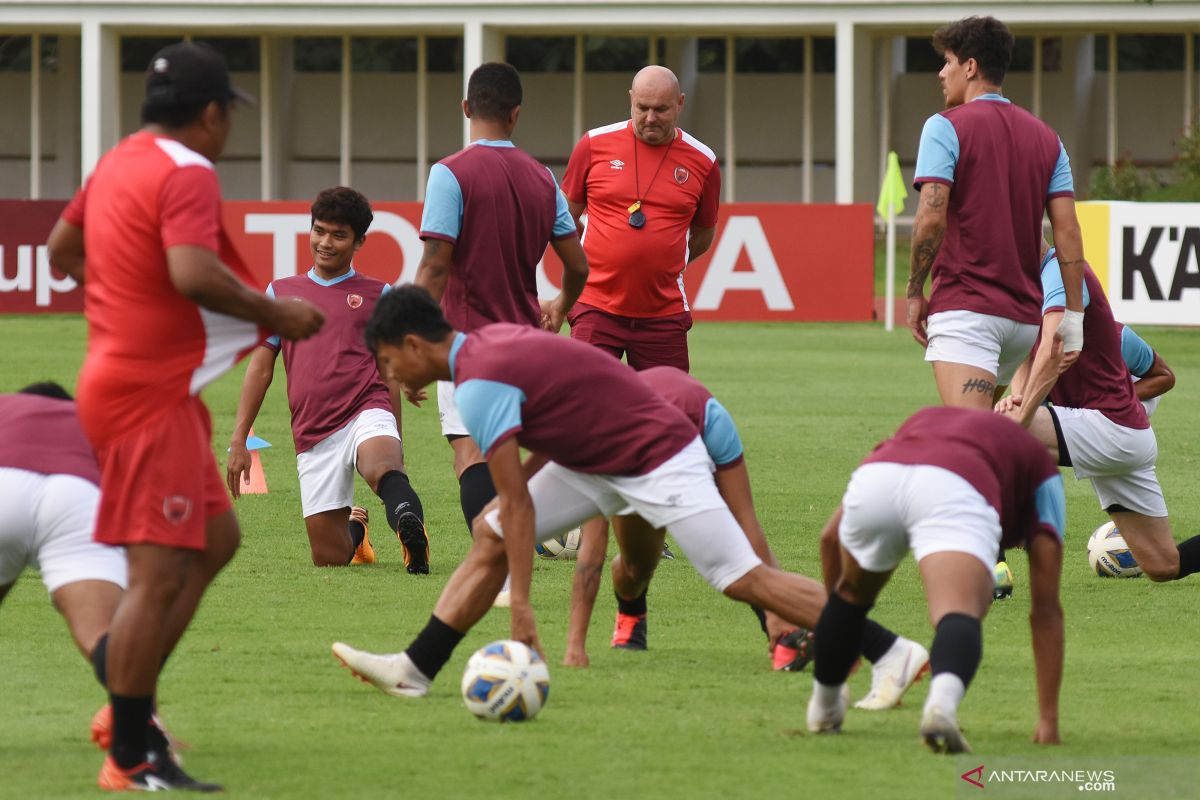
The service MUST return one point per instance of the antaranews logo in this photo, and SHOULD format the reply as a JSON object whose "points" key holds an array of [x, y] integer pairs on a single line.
{"points": [[1085, 780]]}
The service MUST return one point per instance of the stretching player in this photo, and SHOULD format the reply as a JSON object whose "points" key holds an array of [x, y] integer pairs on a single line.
{"points": [[520, 387], [952, 485], [344, 418], [640, 553], [490, 212], [1097, 426], [1151, 375]]}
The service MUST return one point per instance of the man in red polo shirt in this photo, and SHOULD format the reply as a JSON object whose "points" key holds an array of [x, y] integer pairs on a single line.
{"points": [[651, 192], [169, 309]]}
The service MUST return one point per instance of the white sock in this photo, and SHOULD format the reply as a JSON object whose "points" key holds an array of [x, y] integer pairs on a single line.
{"points": [[946, 691], [827, 696]]}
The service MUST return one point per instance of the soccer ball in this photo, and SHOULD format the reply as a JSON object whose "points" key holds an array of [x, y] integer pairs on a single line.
{"points": [[561, 548], [1108, 554], [505, 681]]}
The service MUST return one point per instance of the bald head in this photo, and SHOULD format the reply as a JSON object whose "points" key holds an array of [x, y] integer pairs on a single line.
{"points": [[655, 102]]}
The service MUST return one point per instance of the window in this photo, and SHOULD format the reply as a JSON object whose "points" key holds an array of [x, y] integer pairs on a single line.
{"points": [[14, 53], [1022, 58], [541, 53], [240, 52], [313, 54], [615, 53], [782, 55], [1148, 53], [444, 53], [137, 51], [380, 54]]}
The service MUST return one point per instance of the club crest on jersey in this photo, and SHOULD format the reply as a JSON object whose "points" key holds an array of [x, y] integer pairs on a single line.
{"points": [[681, 175], [354, 300], [177, 509], [617, 163]]}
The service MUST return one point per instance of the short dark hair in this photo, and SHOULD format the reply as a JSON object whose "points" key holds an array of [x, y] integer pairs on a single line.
{"points": [[345, 206], [47, 389], [985, 39], [403, 310], [493, 91]]}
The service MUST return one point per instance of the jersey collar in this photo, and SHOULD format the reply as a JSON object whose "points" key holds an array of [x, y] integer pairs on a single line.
{"points": [[494, 142], [454, 348], [317, 279], [994, 97]]}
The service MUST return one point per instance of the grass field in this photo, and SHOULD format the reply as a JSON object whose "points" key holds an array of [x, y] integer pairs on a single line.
{"points": [[253, 688]]}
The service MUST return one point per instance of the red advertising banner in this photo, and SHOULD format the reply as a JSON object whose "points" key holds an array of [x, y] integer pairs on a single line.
{"points": [[768, 261]]}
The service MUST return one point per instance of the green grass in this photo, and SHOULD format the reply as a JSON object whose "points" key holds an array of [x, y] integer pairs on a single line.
{"points": [[903, 254], [253, 688]]}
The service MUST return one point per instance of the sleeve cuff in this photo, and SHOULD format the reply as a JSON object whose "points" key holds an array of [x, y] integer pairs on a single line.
{"points": [[1053, 195], [439, 236], [928, 179], [731, 464], [501, 439]]}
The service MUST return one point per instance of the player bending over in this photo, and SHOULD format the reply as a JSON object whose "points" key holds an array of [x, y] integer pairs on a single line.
{"points": [[49, 482], [953, 485], [640, 553], [1098, 426], [344, 418], [519, 387]]}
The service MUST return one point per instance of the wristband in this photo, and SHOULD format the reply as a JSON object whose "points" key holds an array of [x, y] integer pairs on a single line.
{"points": [[1071, 330]]}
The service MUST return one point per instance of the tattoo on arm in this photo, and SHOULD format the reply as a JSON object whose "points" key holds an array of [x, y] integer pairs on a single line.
{"points": [[927, 239], [935, 197]]}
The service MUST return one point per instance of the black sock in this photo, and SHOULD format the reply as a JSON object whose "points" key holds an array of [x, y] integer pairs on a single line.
{"points": [[1002, 557], [432, 648], [836, 639], [1189, 557], [957, 647], [398, 498], [100, 660], [876, 641], [762, 618], [475, 490], [357, 532], [634, 608], [131, 718]]}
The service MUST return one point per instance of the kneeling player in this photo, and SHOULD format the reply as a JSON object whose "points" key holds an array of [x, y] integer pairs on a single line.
{"points": [[344, 419], [515, 387], [953, 485], [1098, 426]]}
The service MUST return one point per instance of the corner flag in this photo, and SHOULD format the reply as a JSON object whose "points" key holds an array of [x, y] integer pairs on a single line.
{"points": [[893, 191]]}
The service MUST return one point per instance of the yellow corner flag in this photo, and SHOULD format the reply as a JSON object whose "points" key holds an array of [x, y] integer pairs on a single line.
{"points": [[893, 191]]}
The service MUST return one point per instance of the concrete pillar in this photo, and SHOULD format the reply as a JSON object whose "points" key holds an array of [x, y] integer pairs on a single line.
{"points": [[481, 44], [681, 58], [274, 104], [1079, 56], [854, 113], [67, 149], [101, 92]]}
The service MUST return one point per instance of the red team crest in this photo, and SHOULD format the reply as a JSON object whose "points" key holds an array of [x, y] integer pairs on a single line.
{"points": [[354, 300], [681, 175], [177, 509]]}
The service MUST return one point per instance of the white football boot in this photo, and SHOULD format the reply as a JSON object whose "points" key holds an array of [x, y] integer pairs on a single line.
{"points": [[394, 673], [891, 676], [939, 729], [827, 719]]}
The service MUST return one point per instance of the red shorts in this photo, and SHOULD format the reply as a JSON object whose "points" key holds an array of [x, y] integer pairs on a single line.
{"points": [[159, 483], [644, 341]]}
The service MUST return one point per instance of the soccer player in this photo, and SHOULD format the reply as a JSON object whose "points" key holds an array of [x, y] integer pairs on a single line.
{"points": [[517, 387], [952, 485], [987, 171], [640, 546], [651, 192], [1097, 426], [1152, 377], [166, 316], [344, 418], [490, 212]]}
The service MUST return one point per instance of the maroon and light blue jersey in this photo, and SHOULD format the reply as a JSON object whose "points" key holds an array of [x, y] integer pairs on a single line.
{"points": [[42, 434], [1100, 378], [500, 208], [1004, 462], [1004, 165], [332, 376], [706, 413], [566, 400]]}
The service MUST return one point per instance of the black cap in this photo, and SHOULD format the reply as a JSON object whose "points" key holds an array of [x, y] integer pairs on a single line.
{"points": [[190, 73]]}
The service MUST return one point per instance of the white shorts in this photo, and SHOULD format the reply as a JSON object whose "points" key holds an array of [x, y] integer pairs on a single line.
{"points": [[327, 468], [995, 344], [46, 522], [678, 495], [889, 509], [1118, 460], [452, 424]]}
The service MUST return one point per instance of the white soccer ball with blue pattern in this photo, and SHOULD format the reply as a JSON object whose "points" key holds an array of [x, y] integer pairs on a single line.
{"points": [[561, 548], [505, 681], [1108, 554]]}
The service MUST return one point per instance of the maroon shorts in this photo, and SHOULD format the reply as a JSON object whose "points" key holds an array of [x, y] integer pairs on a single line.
{"points": [[644, 341], [159, 484]]}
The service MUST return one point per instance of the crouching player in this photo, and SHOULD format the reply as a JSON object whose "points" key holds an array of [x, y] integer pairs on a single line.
{"points": [[953, 485], [640, 547], [516, 386]]}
